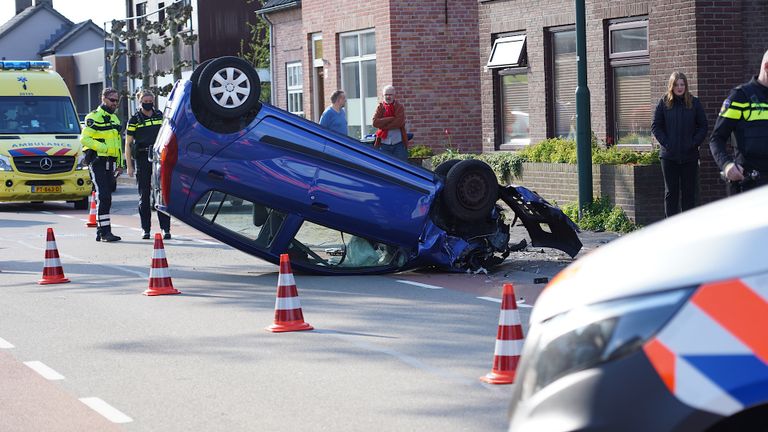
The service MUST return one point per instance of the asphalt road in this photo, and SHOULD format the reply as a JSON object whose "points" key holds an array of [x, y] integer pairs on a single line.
{"points": [[388, 353]]}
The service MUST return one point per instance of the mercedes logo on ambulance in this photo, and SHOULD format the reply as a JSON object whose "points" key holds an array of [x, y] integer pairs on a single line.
{"points": [[46, 163]]}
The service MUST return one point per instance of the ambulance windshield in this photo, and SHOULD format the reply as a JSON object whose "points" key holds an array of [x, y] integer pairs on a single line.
{"points": [[37, 115]]}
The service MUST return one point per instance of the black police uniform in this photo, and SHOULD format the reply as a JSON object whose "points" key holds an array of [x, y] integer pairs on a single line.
{"points": [[144, 131], [745, 114], [103, 149]]}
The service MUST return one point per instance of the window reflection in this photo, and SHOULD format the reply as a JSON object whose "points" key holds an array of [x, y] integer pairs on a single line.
{"points": [[253, 221]]}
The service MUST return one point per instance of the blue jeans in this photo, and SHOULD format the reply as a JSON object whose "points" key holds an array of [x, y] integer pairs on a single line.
{"points": [[397, 150]]}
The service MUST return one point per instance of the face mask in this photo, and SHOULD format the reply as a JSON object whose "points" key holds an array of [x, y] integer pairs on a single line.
{"points": [[147, 106]]}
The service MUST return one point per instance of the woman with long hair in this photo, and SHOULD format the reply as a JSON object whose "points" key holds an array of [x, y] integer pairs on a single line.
{"points": [[680, 126]]}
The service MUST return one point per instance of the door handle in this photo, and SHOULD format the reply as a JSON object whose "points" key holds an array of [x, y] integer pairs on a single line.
{"points": [[215, 175], [319, 207]]}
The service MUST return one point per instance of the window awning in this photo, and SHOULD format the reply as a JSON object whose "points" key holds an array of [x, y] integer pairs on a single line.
{"points": [[507, 52]]}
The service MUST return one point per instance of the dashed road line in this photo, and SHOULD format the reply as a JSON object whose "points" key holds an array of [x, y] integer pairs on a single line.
{"points": [[44, 371], [108, 411], [419, 284], [495, 300], [66, 216], [4, 344]]}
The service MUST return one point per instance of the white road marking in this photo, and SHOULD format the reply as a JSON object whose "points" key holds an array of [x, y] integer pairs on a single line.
{"points": [[418, 284], [47, 212], [66, 216], [44, 370], [495, 300], [74, 258], [108, 411], [4, 344]]}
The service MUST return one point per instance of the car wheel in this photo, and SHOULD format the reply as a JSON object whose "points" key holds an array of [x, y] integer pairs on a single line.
{"points": [[470, 190], [82, 204], [442, 169], [229, 87]]}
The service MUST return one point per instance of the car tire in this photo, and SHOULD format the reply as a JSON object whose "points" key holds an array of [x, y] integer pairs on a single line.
{"points": [[442, 169], [471, 190], [228, 87], [82, 204]]}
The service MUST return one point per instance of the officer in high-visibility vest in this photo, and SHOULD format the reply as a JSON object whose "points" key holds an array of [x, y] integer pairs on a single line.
{"points": [[103, 153], [140, 135], [745, 114]]}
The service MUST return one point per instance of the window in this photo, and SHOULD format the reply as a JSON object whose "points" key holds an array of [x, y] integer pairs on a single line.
{"points": [[161, 12], [294, 84], [320, 246], [252, 221], [564, 75], [509, 61], [358, 80], [141, 10], [630, 65]]}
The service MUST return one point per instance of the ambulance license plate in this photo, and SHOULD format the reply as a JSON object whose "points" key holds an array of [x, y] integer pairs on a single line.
{"points": [[46, 189]]}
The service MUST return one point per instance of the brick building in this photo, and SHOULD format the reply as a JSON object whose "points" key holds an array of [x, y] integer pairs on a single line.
{"points": [[427, 49], [632, 47], [501, 74]]}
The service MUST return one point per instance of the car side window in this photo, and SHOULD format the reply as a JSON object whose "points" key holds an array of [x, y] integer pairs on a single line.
{"points": [[257, 223], [320, 246]]}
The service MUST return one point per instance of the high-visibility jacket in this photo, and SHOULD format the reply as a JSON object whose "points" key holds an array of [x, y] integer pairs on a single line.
{"points": [[102, 134], [745, 114]]}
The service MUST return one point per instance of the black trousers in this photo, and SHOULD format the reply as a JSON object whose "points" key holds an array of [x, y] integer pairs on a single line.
{"points": [[679, 185], [102, 171], [733, 188], [144, 181]]}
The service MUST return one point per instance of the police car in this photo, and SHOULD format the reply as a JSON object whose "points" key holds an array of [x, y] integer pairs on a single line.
{"points": [[663, 330], [268, 182]]}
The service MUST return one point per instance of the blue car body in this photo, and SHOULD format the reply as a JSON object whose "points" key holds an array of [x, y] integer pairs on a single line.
{"points": [[259, 183]]}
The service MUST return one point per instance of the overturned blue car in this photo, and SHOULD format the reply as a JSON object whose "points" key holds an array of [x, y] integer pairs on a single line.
{"points": [[268, 182]]}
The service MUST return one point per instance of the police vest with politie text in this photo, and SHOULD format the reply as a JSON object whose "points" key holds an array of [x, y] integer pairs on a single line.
{"points": [[144, 130], [101, 135], [745, 114]]}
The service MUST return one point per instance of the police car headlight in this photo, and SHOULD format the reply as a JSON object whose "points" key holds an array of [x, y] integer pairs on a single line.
{"points": [[5, 163], [585, 337]]}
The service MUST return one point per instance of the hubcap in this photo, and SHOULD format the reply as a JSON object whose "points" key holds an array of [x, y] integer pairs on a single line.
{"points": [[230, 87]]}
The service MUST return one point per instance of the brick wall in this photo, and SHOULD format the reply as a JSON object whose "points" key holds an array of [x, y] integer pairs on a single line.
{"points": [[288, 49], [434, 68], [638, 190]]}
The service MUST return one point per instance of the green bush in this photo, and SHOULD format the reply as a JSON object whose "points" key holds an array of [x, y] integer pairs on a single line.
{"points": [[504, 164], [600, 215], [420, 151]]}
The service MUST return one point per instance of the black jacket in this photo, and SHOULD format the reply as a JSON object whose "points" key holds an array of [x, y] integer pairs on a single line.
{"points": [[679, 130]]}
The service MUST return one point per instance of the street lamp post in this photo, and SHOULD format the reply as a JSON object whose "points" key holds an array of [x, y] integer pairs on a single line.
{"points": [[583, 128]]}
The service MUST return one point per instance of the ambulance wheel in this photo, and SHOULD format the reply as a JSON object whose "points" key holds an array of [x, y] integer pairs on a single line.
{"points": [[82, 204]]}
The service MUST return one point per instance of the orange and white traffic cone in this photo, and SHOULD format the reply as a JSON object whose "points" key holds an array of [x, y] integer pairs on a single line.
{"points": [[53, 273], [288, 315], [92, 212], [160, 282], [509, 341]]}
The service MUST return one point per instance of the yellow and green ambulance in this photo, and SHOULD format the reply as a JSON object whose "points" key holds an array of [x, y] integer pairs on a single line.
{"points": [[40, 155]]}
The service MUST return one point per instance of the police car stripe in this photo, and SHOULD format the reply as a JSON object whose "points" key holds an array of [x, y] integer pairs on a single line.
{"points": [[695, 389], [709, 333], [730, 311]]}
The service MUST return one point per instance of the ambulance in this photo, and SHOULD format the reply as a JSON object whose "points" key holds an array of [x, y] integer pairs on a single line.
{"points": [[40, 154]]}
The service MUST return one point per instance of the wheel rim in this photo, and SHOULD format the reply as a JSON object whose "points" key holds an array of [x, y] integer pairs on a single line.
{"points": [[230, 87], [471, 191]]}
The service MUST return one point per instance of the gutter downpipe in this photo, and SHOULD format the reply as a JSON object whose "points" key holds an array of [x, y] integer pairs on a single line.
{"points": [[271, 58]]}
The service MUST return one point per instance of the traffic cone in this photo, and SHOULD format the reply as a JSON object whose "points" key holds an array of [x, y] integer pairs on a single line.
{"points": [[288, 316], [159, 278], [92, 213], [53, 273], [509, 341]]}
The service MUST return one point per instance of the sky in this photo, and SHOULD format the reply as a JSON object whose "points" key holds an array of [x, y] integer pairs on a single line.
{"points": [[75, 10]]}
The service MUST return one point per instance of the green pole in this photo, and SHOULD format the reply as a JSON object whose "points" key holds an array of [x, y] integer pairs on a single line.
{"points": [[583, 128]]}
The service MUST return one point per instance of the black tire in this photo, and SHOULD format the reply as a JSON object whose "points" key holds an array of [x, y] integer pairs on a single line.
{"points": [[442, 169], [228, 87], [82, 204], [471, 190]]}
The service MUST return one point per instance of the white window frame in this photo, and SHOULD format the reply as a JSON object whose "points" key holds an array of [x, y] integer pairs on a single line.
{"points": [[294, 85], [517, 58], [359, 59]]}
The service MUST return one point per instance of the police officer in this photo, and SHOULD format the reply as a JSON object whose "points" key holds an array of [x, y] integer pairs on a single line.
{"points": [[139, 138], [745, 114], [103, 152]]}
